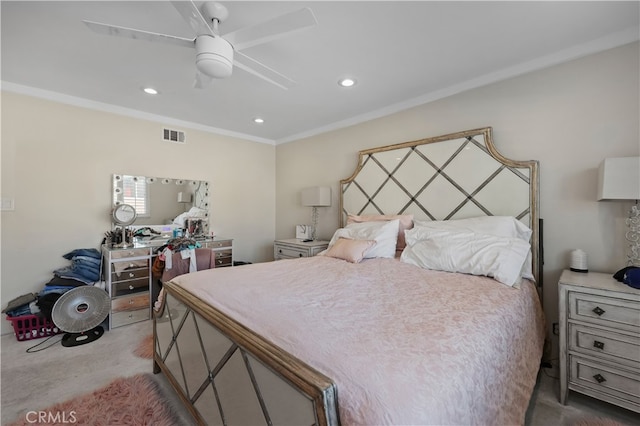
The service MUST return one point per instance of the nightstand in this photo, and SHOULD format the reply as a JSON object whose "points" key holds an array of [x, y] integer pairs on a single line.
{"points": [[599, 320], [293, 248]]}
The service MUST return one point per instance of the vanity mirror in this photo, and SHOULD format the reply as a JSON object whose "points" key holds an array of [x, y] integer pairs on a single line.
{"points": [[161, 202]]}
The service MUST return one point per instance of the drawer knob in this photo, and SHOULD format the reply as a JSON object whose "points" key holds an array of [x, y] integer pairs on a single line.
{"points": [[280, 251], [131, 302], [131, 275], [131, 265], [598, 345], [131, 287], [598, 311], [599, 378], [299, 254]]}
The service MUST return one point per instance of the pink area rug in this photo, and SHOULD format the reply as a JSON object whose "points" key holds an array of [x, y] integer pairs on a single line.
{"points": [[135, 400], [145, 348]]}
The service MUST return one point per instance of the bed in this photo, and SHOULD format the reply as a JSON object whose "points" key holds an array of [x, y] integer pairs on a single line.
{"points": [[371, 332]]}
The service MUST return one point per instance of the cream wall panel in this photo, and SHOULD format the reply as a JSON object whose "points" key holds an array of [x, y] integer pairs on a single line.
{"points": [[57, 163], [569, 117]]}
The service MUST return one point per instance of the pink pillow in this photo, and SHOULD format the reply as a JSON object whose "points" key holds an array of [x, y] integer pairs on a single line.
{"points": [[406, 222], [350, 250]]}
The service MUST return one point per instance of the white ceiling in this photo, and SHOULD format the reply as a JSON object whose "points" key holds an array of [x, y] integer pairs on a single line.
{"points": [[401, 53]]}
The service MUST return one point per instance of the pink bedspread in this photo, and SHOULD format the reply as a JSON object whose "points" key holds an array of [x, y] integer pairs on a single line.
{"points": [[403, 345]]}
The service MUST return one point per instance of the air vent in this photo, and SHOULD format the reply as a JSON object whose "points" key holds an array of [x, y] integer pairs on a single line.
{"points": [[173, 136]]}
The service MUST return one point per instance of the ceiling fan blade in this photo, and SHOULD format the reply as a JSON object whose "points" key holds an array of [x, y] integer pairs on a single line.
{"points": [[190, 13], [202, 81], [262, 71], [138, 34], [272, 29]]}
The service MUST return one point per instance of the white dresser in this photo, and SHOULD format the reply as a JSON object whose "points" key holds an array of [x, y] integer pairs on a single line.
{"points": [[599, 320]]}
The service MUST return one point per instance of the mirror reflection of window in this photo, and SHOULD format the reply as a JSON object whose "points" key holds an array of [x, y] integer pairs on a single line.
{"points": [[135, 193]]}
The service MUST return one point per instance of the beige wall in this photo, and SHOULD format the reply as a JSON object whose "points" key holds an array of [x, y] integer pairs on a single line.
{"points": [[57, 162], [569, 117]]}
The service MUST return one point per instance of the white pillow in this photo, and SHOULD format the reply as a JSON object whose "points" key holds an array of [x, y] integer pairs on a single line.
{"points": [[499, 226], [384, 233], [467, 252]]}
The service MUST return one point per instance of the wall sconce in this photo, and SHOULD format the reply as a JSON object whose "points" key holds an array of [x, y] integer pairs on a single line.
{"points": [[619, 179], [317, 196]]}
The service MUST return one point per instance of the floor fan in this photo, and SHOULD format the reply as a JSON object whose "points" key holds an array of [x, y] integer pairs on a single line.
{"points": [[79, 313]]}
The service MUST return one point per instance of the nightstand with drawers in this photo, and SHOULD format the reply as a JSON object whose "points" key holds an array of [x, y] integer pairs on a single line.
{"points": [[294, 248], [599, 320]]}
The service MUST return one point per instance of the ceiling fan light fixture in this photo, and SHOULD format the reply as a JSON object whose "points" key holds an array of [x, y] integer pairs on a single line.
{"points": [[214, 56]]}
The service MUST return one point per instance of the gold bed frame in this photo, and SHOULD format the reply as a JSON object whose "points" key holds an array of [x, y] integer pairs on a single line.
{"points": [[410, 178], [194, 343]]}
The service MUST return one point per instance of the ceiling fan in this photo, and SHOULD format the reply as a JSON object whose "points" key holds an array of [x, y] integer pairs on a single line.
{"points": [[217, 55]]}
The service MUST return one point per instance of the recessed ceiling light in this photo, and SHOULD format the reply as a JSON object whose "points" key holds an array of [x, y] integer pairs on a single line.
{"points": [[347, 82], [258, 120], [150, 91]]}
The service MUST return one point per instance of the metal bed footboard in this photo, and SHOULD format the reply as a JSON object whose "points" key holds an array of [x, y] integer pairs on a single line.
{"points": [[225, 373]]}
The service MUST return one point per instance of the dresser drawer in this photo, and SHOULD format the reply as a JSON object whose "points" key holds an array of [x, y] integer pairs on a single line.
{"points": [[130, 274], [606, 379], [222, 253], [223, 261], [121, 266], [605, 311], [616, 347], [129, 317], [130, 303], [217, 244], [123, 288], [283, 252], [121, 254]]}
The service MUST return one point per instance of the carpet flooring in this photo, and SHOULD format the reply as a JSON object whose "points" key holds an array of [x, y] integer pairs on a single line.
{"points": [[33, 381], [135, 400]]}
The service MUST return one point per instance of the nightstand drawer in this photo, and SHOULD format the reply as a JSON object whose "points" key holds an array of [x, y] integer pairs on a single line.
{"points": [[129, 317], [606, 379], [130, 303], [289, 252], [616, 347], [606, 311]]}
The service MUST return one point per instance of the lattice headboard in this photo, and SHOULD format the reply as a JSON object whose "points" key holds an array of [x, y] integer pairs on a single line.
{"points": [[452, 176]]}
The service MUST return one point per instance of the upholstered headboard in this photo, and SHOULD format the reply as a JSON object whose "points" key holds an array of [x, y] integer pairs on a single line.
{"points": [[453, 176]]}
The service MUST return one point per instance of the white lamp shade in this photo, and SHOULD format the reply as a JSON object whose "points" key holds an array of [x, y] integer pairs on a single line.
{"points": [[317, 196], [184, 197], [619, 179]]}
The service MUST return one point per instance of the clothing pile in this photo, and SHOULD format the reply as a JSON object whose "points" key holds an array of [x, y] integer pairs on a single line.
{"points": [[85, 269], [165, 254]]}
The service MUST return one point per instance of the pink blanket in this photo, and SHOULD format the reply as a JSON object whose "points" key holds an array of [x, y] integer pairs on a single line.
{"points": [[403, 345]]}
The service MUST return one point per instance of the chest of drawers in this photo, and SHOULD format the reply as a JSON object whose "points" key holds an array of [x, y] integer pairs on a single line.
{"points": [[599, 320], [223, 249], [127, 274], [293, 248]]}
